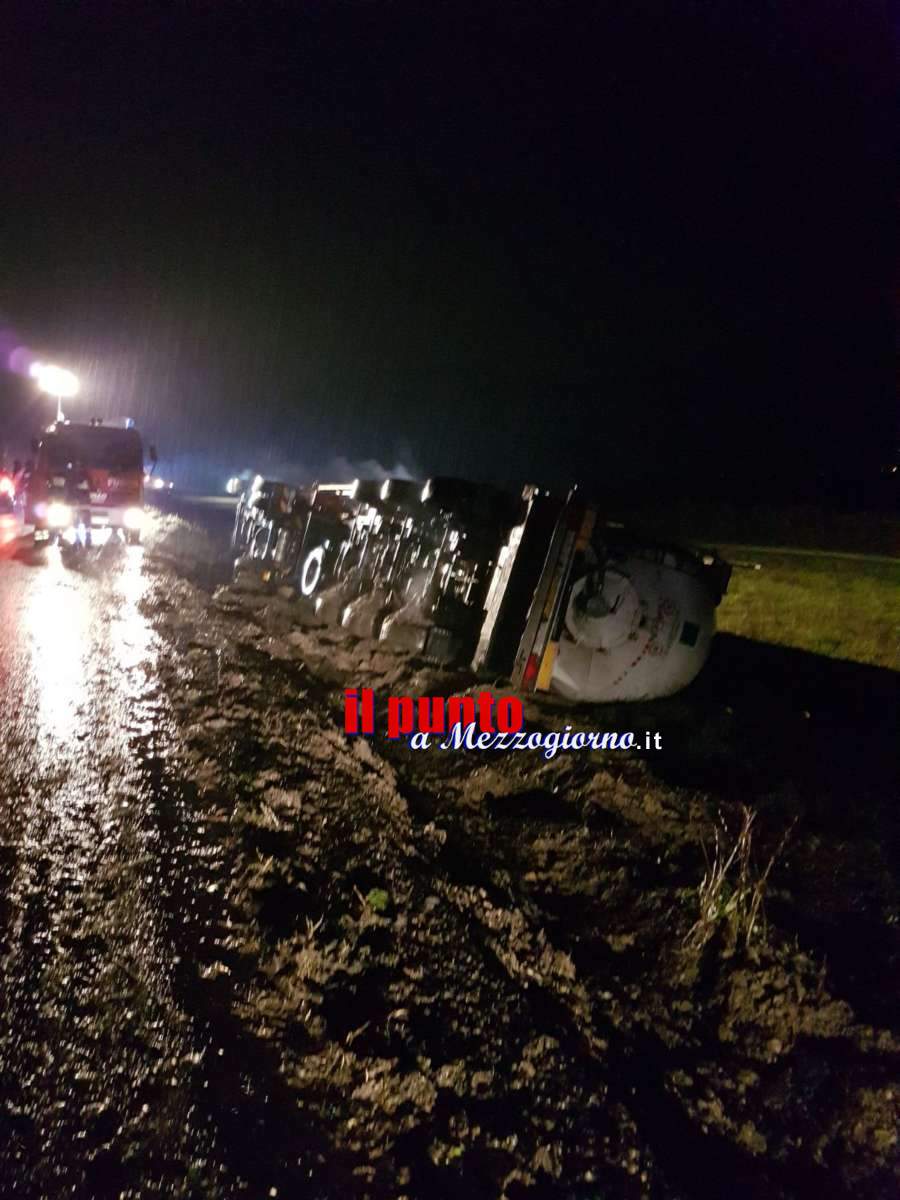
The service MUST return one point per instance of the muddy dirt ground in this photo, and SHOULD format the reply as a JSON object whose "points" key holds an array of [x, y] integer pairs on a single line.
{"points": [[492, 975]]}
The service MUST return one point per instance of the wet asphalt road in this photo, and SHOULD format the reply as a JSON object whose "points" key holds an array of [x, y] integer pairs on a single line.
{"points": [[114, 1079]]}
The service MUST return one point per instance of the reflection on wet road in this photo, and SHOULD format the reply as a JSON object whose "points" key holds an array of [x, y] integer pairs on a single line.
{"points": [[102, 1076], [10, 528]]}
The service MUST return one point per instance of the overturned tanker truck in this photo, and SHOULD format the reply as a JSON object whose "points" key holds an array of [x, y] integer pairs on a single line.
{"points": [[533, 587]]}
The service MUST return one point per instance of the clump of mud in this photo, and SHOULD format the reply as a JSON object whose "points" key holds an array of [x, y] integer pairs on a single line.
{"points": [[479, 974]]}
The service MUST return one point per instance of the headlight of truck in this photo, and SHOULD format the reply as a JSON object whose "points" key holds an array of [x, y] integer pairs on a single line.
{"points": [[59, 516], [134, 518]]}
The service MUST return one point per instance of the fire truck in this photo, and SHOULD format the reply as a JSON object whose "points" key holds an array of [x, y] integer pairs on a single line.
{"points": [[87, 479]]}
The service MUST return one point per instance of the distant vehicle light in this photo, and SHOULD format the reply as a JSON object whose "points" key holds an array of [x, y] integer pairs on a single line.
{"points": [[6, 486], [134, 518], [159, 484], [234, 485], [59, 516]]}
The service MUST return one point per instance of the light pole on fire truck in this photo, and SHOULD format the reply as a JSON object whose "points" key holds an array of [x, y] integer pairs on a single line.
{"points": [[56, 382]]}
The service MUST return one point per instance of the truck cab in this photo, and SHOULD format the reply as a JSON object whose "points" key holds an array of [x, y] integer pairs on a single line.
{"points": [[87, 478]]}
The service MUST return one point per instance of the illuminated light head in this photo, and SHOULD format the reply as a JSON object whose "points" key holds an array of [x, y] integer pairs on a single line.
{"points": [[55, 381]]}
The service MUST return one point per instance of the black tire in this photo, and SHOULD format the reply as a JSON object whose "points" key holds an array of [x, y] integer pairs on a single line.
{"points": [[256, 542], [311, 571]]}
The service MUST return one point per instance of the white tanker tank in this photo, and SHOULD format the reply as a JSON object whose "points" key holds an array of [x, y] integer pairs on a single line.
{"points": [[610, 615], [642, 626]]}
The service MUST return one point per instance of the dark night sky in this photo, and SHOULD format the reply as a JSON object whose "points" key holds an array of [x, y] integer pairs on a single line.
{"points": [[630, 242]]}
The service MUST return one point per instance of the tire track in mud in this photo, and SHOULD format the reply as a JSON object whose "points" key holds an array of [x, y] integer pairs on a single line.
{"points": [[263, 1143]]}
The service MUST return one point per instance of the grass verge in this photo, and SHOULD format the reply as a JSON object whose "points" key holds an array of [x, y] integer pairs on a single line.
{"points": [[837, 607]]}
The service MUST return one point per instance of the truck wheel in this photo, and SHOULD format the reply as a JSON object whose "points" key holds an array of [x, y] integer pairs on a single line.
{"points": [[311, 571], [257, 543]]}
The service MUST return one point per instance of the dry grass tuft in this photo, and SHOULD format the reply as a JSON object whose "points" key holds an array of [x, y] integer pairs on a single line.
{"points": [[732, 889]]}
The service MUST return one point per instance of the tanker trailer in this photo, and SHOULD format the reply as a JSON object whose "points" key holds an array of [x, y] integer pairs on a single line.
{"points": [[531, 587]]}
